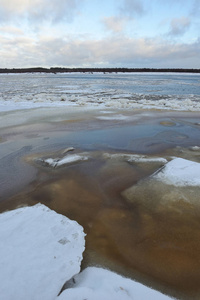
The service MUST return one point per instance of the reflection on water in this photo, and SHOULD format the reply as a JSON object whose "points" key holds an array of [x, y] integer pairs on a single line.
{"points": [[146, 231], [136, 136]]}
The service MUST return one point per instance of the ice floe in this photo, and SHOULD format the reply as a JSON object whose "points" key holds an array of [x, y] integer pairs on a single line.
{"points": [[113, 117], [97, 284], [195, 148], [39, 251], [138, 158], [40, 90], [180, 172], [171, 187], [68, 150], [57, 162]]}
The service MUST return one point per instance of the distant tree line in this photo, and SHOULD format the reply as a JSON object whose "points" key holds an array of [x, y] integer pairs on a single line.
{"points": [[95, 70]]}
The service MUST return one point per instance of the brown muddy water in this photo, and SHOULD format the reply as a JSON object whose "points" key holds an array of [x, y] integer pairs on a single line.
{"points": [[146, 231]]}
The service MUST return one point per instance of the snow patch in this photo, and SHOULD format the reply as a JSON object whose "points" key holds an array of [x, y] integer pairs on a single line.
{"points": [[195, 148], [57, 162], [179, 172], [96, 283], [40, 250], [112, 117], [136, 158]]}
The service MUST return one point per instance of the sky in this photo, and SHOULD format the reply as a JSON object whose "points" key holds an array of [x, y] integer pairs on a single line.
{"points": [[100, 33]]}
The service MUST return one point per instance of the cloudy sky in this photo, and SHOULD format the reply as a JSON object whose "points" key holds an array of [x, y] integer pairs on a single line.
{"points": [[100, 33]]}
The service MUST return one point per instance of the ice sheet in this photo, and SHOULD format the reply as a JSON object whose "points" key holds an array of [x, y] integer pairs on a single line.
{"points": [[138, 158], [97, 284], [113, 117], [57, 162], [39, 251], [130, 91], [180, 172]]}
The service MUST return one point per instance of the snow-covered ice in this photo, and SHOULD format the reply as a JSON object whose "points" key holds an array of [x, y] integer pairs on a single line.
{"points": [[171, 186], [100, 284], [39, 251], [112, 117], [195, 148], [57, 162], [180, 172], [128, 91], [137, 158]]}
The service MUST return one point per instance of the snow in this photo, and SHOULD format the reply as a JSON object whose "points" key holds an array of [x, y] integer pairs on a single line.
{"points": [[113, 117], [119, 102], [195, 148], [107, 112], [39, 251], [97, 284], [136, 158], [23, 91], [10, 105], [57, 162], [179, 172], [143, 159]]}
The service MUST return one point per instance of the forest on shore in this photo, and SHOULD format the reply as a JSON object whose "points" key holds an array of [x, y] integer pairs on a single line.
{"points": [[96, 70]]}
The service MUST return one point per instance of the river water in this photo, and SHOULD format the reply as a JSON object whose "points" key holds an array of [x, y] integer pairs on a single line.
{"points": [[153, 234], [155, 242]]}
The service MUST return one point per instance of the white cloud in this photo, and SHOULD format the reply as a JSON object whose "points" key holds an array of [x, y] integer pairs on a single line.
{"points": [[115, 24], [38, 10], [132, 7], [116, 51], [196, 8], [179, 26], [11, 30]]}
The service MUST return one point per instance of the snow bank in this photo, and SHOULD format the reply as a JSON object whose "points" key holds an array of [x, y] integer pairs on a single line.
{"points": [[57, 162], [179, 172], [97, 284], [39, 251]]}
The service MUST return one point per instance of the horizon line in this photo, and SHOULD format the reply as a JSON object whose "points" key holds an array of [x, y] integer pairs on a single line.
{"points": [[93, 69]]}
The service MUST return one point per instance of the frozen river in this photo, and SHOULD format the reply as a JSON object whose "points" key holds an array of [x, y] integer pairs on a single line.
{"points": [[89, 147], [135, 90]]}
